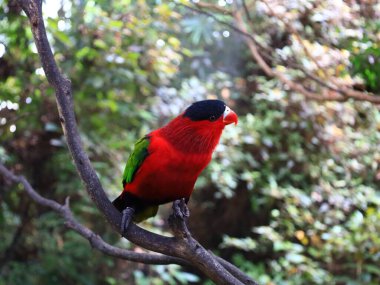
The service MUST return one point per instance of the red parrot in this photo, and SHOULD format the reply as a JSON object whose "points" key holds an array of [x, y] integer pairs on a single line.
{"points": [[165, 164]]}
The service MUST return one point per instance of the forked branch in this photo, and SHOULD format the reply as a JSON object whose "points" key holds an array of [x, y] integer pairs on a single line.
{"points": [[95, 240]]}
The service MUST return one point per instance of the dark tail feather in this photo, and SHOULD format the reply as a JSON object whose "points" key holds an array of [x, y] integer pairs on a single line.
{"points": [[120, 202], [143, 210]]}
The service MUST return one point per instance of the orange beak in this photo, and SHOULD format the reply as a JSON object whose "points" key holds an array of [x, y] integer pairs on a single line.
{"points": [[229, 117]]}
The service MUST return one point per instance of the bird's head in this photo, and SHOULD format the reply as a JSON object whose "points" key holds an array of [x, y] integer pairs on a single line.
{"points": [[200, 126], [211, 112]]}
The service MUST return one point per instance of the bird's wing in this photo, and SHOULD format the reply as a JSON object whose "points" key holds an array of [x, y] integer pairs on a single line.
{"points": [[137, 157]]}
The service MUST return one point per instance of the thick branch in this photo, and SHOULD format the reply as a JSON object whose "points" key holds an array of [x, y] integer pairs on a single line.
{"points": [[177, 222]]}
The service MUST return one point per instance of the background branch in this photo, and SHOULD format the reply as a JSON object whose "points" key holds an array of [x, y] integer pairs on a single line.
{"points": [[331, 92], [297, 36], [273, 73]]}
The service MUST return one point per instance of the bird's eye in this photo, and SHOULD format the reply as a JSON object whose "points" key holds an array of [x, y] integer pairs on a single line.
{"points": [[212, 118]]}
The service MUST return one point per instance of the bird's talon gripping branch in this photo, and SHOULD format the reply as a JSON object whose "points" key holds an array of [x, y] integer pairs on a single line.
{"points": [[177, 211], [126, 219], [184, 209], [177, 220], [180, 209]]}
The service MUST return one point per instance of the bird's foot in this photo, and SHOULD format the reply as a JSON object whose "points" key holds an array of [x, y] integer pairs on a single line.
{"points": [[126, 219], [180, 209], [177, 220]]}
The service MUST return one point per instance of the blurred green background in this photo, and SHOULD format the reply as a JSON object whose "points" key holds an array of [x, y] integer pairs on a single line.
{"points": [[291, 196]]}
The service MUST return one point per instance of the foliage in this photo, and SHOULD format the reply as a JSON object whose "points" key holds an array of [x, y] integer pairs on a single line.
{"points": [[291, 195], [365, 56]]}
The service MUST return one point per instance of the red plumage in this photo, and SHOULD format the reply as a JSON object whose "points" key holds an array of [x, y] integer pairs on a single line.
{"points": [[174, 162], [166, 164]]}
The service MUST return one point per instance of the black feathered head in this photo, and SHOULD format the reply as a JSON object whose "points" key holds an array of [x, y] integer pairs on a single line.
{"points": [[205, 110]]}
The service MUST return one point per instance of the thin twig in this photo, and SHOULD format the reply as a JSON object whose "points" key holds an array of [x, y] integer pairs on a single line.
{"points": [[227, 24], [246, 11]]}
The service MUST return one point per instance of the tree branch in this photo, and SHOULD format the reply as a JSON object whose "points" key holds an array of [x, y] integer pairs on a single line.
{"points": [[98, 243], [253, 47], [173, 246], [246, 11], [330, 92], [95, 240], [356, 95], [291, 30], [280, 76]]}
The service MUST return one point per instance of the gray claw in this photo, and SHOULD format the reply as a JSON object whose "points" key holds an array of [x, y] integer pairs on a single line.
{"points": [[126, 219], [184, 209], [180, 209]]}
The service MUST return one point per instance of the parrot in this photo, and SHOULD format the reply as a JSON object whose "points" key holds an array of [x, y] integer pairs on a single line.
{"points": [[165, 164]]}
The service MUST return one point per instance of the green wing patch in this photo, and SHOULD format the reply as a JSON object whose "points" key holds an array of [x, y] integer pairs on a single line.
{"points": [[138, 155]]}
